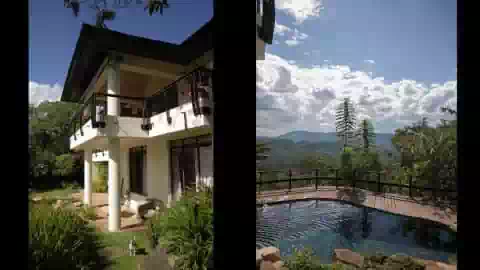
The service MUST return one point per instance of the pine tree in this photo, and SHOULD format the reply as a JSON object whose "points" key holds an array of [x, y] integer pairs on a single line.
{"points": [[366, 133], [345, 122]]}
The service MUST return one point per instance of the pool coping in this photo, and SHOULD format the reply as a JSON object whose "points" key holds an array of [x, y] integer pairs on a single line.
{"points": [[428, 212]]}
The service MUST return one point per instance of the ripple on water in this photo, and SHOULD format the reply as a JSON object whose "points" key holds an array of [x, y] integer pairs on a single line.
{"points": [[325, 225]]}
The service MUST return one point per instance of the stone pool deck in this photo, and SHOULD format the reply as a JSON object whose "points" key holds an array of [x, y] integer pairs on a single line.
{"points": [[396, 204]]}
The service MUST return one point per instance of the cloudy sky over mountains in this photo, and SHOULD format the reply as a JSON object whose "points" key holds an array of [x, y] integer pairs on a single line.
{"points": [[395, 59]]}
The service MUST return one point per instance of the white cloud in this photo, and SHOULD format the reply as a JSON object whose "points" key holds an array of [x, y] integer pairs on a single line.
{"points": [[296, 38], [38, 93], [370, 61], [300, 10], [290, 97], [281, 29]]}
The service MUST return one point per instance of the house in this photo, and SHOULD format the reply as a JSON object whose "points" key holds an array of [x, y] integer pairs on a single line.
{"points": [[146, 111], [265, 26]]}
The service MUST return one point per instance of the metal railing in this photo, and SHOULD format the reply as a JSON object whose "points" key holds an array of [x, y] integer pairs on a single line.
{"points": [[194, 85], [377, 182]]}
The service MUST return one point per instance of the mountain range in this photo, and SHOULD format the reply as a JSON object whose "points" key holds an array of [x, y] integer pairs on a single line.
{"points": [[291, 148]]}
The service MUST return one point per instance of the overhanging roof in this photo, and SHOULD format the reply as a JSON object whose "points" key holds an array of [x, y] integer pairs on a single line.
{"points": [[94, 44]]}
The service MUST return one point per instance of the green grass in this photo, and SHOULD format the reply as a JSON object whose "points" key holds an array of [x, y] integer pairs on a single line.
{"points": [[59, 193], [116, 247]]}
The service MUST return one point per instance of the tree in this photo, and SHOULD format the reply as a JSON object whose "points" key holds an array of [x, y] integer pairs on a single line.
{"points": [[262, 149], [105, 14], [49, 138], [345, 122], [366, 133]]}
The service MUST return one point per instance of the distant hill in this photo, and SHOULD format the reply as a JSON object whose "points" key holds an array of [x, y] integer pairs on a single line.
{"points": [[384, 139], [290, 149]]}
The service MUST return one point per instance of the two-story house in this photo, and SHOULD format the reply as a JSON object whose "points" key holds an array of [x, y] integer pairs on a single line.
{"points": [[147, 111]]}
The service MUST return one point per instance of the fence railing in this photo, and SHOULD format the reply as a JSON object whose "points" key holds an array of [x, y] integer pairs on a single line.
{"points": [[290, 180], [193, 87]]}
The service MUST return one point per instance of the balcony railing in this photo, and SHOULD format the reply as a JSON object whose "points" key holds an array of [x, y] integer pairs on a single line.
{"points": [[193, 87]]}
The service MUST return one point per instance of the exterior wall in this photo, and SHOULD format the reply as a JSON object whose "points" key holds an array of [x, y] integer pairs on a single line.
{"points": [[158, 169], [100, 156], [160, 125], [88, 134], [123, 127]]}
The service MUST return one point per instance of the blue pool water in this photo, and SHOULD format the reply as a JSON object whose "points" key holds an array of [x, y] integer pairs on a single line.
{"points": [[325, 225]]}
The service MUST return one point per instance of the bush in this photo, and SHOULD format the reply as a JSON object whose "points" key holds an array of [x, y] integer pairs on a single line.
{"points": [[100, 182], [60, 239], [88, 212], [186, 230], [305, 260]]}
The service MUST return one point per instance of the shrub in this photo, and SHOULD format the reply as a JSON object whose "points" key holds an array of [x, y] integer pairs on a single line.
{"points": [[305, 260], [60, 239], [101, 177], [186, 230], [88, 212]]}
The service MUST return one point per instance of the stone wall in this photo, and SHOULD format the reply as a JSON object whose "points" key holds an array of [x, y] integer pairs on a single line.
{"points": [[269, 259]]}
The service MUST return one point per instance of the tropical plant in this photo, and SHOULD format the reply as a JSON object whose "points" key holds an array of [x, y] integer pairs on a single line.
{"points": [[345, 122], [186, 230], [60, 239]]}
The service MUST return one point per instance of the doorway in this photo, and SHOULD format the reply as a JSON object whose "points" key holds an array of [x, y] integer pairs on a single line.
{"points": [[137, 169], [186, 164]]}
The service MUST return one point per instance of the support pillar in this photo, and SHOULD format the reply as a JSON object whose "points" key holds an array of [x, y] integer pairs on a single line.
{"points": [[114, 184], [113, 111], [87, 191]]}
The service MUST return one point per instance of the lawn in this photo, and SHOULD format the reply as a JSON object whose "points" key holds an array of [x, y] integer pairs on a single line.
{"points": [[115, 245], [58, 193], [116, 248]]}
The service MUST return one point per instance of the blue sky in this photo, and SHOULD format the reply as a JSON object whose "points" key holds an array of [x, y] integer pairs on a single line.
{"points": [[395, 59], [54, 32]]}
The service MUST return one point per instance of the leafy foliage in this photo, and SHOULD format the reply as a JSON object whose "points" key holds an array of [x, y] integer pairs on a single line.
{"points": [[429, 154], [100, 181], [366, 132], [305, 260], [60, 239], [186, 230], [346, 122], [49, 141]]}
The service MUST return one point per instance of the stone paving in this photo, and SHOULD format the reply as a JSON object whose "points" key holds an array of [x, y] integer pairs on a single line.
{"points": [[387, 202], [128, 221]]}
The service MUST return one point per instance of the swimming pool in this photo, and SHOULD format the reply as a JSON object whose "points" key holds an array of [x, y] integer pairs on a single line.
{"points": [[324, 225]]}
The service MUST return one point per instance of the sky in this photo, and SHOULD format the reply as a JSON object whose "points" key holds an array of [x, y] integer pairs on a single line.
{"points": [[54, 32], [396, 60]]}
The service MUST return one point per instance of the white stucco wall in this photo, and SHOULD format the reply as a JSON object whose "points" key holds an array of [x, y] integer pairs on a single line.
{"points": [[160, 125], [100, 156], [88, 134], [123, 127], [158, 169]]}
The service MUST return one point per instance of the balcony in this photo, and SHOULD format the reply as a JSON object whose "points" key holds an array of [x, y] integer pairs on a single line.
{"points": [[184, 104]]}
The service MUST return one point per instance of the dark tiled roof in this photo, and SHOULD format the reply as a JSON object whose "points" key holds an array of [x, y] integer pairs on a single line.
{"points": [[94, 44]]}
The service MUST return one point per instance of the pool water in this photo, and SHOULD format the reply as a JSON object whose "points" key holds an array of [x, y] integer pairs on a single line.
{"points": [[326, 225]]}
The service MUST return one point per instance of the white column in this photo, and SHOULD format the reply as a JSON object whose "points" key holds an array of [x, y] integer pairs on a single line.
{"points": [[87, 191], [114, 184], [113, 109], [113, 88]]}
